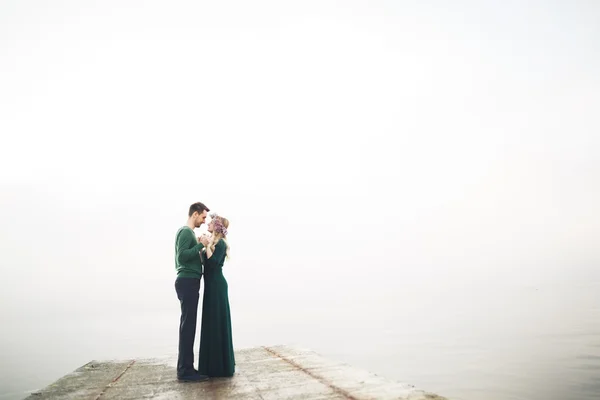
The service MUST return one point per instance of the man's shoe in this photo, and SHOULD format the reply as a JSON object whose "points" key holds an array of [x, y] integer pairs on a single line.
{"points": [[192, 378]]}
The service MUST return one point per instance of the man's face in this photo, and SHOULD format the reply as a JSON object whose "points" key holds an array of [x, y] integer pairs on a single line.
{"points": [[200, 218]]}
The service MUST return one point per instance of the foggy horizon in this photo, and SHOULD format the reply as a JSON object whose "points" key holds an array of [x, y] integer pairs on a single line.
{"points": [[400, 175]]}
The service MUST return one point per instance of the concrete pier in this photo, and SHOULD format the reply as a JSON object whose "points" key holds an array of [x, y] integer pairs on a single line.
{"points": [[268, 373]]}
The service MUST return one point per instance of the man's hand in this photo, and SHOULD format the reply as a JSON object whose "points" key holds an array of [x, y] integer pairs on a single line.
{"points": [[204, 239]]}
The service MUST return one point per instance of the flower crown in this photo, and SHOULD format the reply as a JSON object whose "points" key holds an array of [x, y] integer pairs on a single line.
{"points": [[218, 224]]}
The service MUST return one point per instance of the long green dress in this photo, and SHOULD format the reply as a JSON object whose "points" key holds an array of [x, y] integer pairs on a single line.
{"points": [[216, 342]]}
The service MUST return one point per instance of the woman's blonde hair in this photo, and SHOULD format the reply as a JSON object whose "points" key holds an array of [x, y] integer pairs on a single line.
{"points": [[220, 233]]}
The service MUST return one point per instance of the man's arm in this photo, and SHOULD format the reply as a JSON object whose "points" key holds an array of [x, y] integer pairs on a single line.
{"points": [[187, 247]]}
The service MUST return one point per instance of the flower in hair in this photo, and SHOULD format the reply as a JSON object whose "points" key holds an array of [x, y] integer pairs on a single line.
{"points": [[218, 224]]}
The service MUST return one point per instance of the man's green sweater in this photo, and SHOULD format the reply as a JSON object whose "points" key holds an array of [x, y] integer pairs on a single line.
{"points": [[187, 254]]}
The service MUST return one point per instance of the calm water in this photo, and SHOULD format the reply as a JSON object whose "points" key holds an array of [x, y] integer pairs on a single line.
{"points": [[468, 340], [412, 186]]}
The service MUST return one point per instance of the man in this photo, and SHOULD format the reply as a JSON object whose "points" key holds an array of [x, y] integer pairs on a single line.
{"points": [[189, 271]]}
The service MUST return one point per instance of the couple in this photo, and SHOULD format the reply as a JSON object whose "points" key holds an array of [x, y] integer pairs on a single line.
{"points": [[192, 253]]}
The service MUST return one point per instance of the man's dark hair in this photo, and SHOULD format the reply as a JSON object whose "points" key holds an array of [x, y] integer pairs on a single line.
{"points": [[197, 207]]}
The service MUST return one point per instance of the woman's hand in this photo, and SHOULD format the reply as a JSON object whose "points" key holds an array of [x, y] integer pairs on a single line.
{"points": [[204, 239], [209, 247]]}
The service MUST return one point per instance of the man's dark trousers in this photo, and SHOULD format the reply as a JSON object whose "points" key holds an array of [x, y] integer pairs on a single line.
{"points": [[188, 293]]}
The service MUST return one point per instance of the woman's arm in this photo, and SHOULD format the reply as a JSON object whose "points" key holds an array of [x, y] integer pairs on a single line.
{"points": [[220, 249]]}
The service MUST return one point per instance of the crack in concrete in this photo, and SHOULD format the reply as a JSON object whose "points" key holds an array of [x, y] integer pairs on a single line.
{"points": [[115, 380], [324, 381]]}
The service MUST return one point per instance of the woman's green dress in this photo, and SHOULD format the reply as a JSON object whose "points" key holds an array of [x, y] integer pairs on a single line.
{"points": [[216, 342]]}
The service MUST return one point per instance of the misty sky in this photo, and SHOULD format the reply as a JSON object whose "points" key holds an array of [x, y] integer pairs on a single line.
{"points": [[350, 143]]}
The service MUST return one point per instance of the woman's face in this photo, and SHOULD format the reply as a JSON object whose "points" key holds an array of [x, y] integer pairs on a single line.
{"points": [[211, 226]]}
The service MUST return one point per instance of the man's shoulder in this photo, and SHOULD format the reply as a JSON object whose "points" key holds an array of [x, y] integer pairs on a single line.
{"points": [[184, 231]]}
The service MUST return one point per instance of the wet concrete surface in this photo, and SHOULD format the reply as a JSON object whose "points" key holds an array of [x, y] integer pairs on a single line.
{"points": [[267, 373]]}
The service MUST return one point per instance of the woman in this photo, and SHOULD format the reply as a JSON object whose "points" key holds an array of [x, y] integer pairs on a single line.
{"points": [[216, 343]]}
